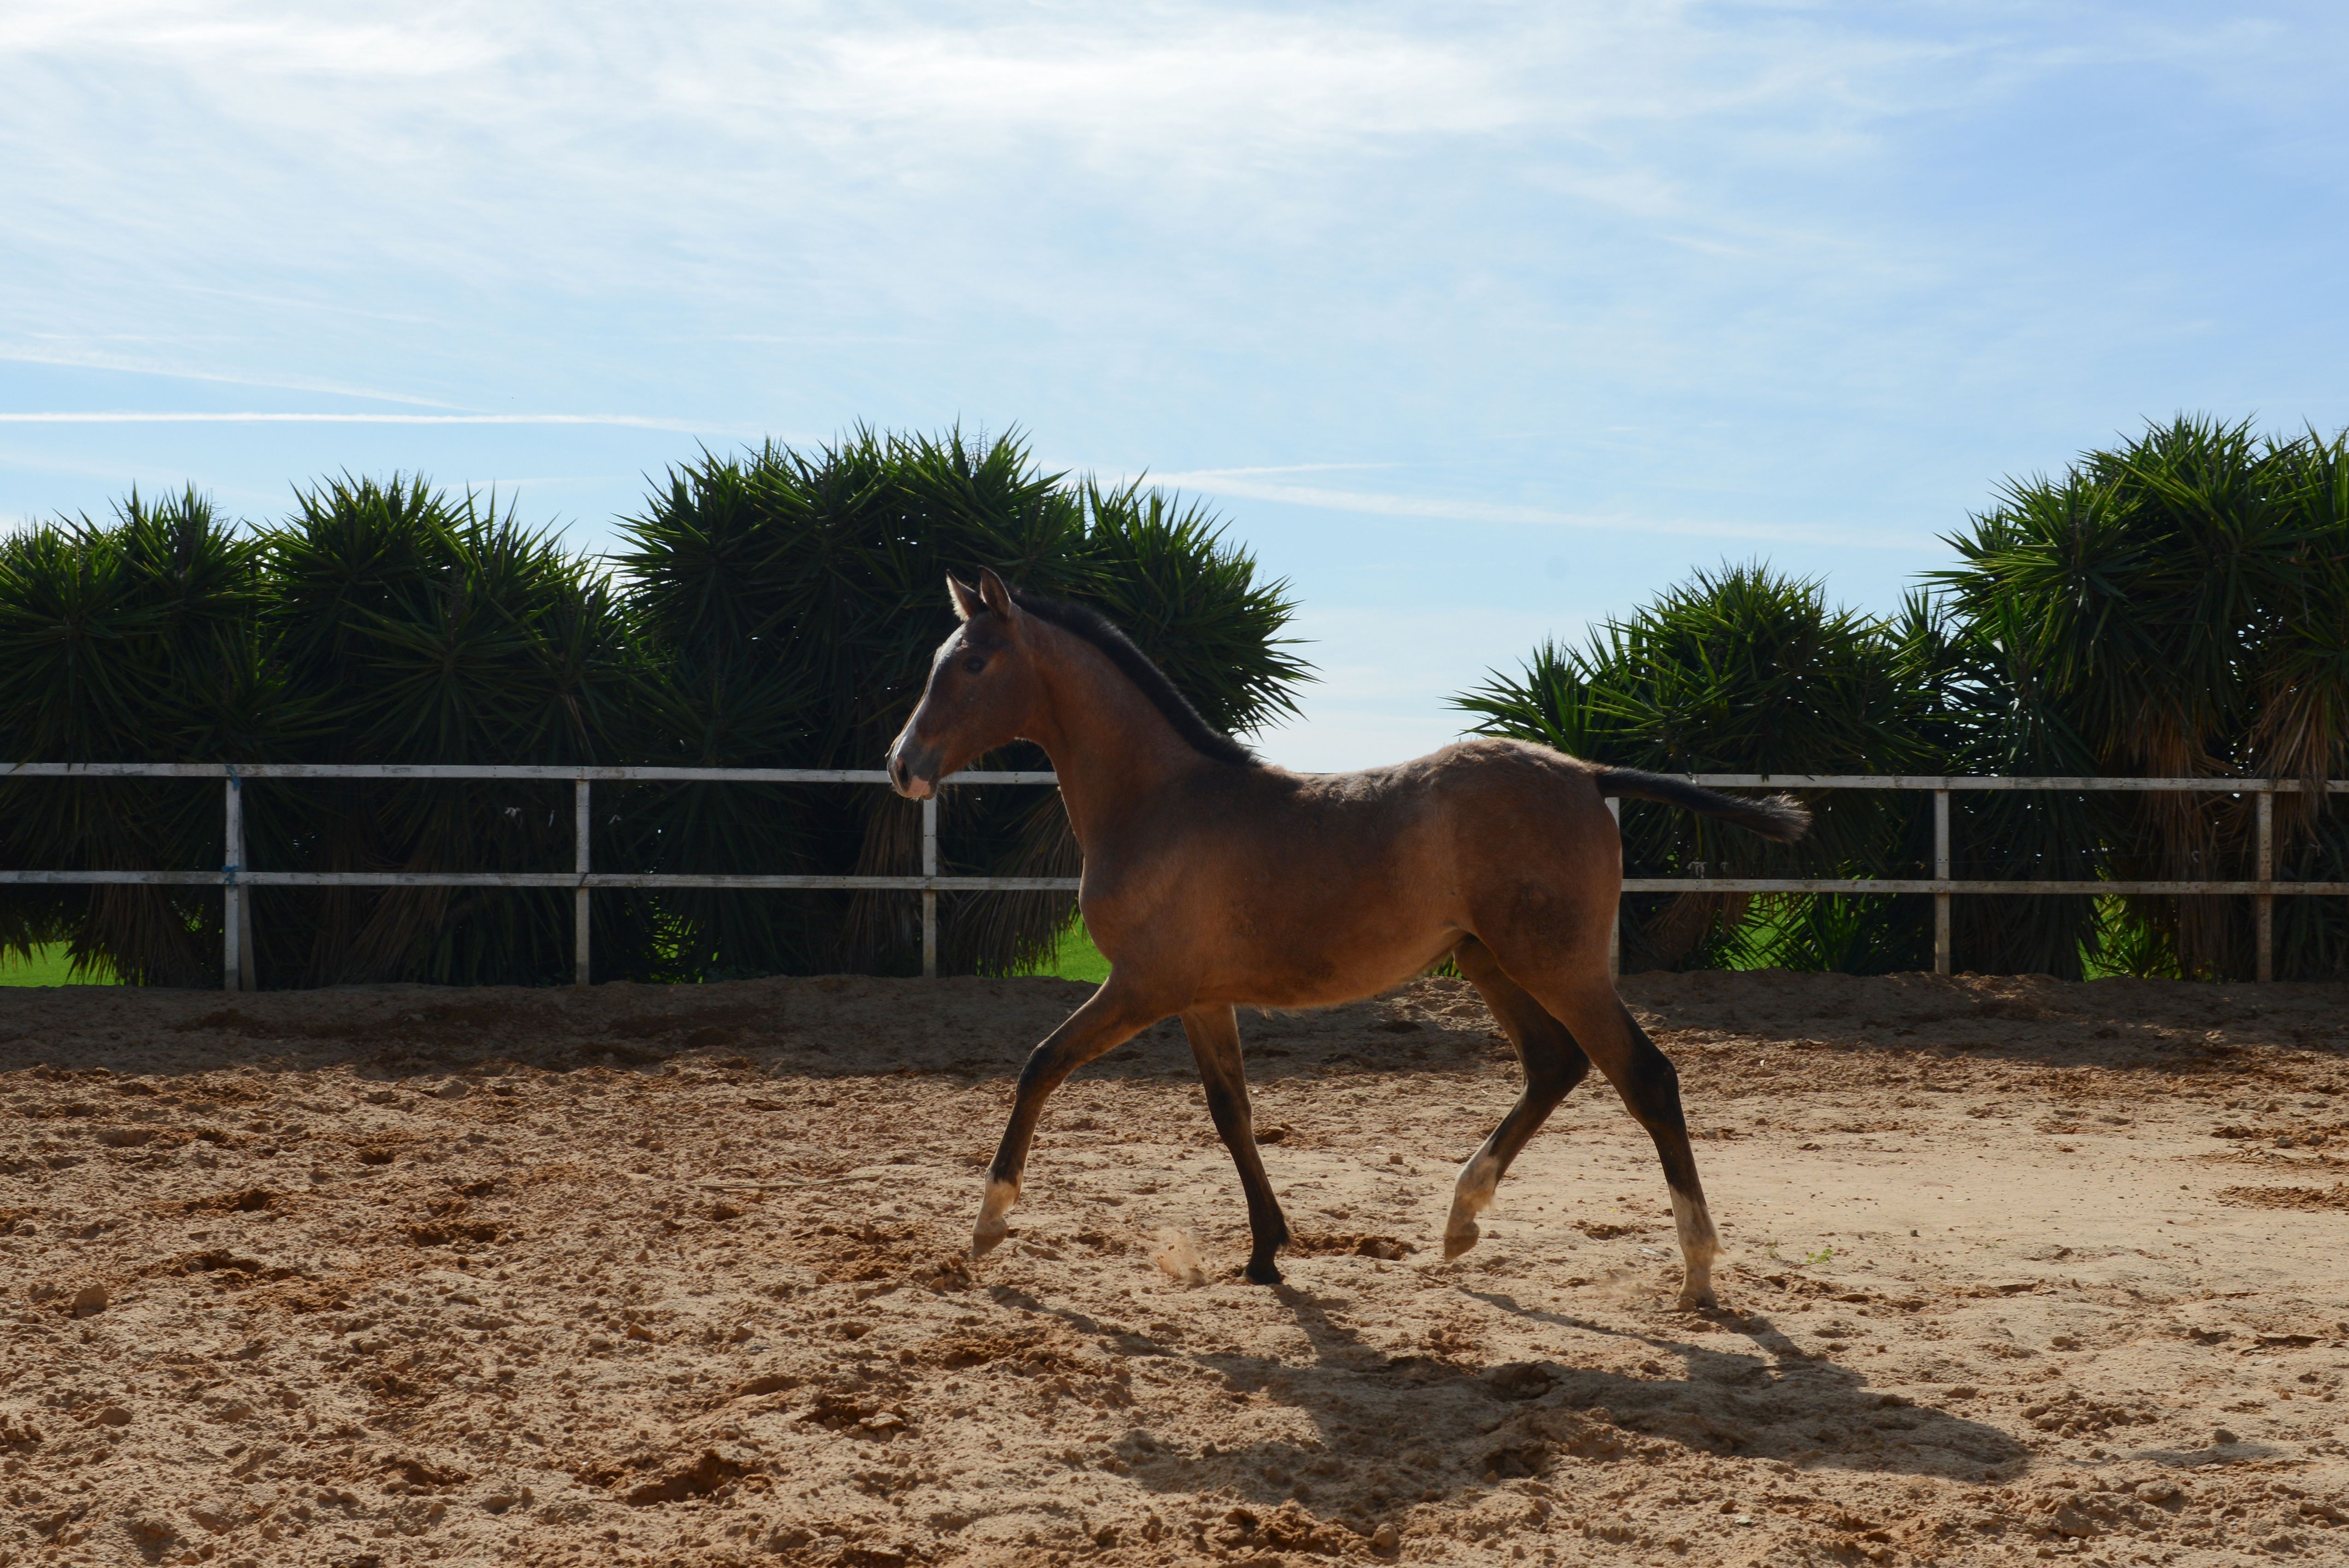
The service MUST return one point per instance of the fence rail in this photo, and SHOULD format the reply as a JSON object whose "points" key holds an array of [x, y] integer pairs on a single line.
{"points": [[235, 875]]}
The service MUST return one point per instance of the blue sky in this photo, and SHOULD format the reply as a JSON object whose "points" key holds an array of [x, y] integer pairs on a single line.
{"points": [[1478, 322]]}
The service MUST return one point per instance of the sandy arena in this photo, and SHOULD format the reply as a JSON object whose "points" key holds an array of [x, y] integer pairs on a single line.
{"points": [[2017, 1270]]}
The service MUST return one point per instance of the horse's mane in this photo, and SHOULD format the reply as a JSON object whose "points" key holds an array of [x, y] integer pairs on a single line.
{"points": [[1085, 621]]}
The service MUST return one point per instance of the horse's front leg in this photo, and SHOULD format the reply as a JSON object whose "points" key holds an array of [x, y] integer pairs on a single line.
{"points": [[1215, 1034], [1109, 1018]]}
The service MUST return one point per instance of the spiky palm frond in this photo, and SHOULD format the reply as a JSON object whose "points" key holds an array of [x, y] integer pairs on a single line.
{"points": [[434, 628], [2178, 604], [809, 586], [1737, 670], [1978, 719], [129, 641], [1192, 601]]}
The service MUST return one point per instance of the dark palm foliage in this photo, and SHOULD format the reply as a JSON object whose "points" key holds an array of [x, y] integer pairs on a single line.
{"points": [[781, 610], [1743, 670], [793, 600], [127, 641], [1981, 714], [418, 627], [2176, 605], [2180, 605]]}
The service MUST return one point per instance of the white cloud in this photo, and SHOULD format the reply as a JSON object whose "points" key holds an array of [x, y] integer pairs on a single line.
{"points": [[503, 112], [1242, 483], [254, 179], [1831, 263]]}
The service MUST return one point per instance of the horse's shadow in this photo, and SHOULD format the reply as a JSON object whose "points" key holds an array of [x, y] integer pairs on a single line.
{"points": [[1399, 1430]]}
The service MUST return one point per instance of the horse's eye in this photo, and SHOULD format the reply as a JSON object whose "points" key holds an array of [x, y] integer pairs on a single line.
{"points": [[974, 664]]}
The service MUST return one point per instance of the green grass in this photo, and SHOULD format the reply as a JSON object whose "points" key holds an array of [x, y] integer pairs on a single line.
{"points": [[1074, 957], [46, 967]]}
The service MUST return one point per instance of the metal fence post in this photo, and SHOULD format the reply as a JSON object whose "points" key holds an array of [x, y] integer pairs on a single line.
{"points": [[930, 895], [1615, 926], [233, 959], [1941, 874], [580, 925], [2264, 903]]}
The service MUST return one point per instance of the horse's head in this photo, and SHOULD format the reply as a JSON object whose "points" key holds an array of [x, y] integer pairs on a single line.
{"points": [[983, 686]]}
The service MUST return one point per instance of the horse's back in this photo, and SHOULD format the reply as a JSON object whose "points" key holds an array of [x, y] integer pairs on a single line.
{"points": [[1481, 798], [1499, 838]]}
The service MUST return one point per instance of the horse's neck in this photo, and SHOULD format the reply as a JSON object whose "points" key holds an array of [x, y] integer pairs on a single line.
{"points": [[1110, 744]]}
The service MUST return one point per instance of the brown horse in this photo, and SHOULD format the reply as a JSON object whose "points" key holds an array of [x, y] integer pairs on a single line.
{"points": [[1212, 880]]}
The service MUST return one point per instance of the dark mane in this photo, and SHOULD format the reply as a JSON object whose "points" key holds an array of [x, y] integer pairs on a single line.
{"points": [[1085, 621]]}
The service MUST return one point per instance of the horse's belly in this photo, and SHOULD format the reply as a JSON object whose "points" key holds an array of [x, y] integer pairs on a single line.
{"points": [[1306, 971], [1250, 921]]}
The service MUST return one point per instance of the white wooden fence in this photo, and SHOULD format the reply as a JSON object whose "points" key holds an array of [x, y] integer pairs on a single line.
{"points": [[2263, 890], [235, 875]]}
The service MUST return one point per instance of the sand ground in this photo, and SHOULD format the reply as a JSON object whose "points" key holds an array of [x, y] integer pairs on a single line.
{"points": [[395, 1275]]}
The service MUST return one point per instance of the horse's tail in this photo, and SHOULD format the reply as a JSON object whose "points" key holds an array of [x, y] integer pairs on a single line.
{"points": [[1779, 817]]}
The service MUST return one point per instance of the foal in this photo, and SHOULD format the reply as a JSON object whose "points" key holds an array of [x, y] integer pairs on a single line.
{"points": [[1212, 879]]}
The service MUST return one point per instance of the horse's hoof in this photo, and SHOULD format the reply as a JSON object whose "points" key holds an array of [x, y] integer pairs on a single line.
{"points": [[989, 1233], [1458, 1237], [1698, 1300], [1261, 1273]]}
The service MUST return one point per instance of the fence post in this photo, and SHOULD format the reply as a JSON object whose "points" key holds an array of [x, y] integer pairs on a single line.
{"points": [[2264, 903], [1615, 926], [1941, 874], [930, 895], [580, 925], [233, 962]]}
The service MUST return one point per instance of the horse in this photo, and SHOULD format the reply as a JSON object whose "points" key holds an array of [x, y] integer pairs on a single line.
{"points": [[1212, 880]]}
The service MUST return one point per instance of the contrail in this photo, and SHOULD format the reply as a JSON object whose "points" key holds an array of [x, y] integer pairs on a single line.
{"points": [[638, 422]]}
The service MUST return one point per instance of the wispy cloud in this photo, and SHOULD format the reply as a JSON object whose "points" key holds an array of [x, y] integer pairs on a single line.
{"points": [[545, 141], [100, 354], [1238, 482], [1766, 273], [142, 417]]}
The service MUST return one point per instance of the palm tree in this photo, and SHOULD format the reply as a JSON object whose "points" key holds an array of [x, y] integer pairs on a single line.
{"points": [[794, 598], [411, 626], [1742, 670], [127, 641], [2179, 606]]}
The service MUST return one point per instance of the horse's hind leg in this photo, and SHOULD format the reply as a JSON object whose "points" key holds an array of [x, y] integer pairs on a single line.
{"points": [[1215, 1034], [1650, 1089], [1554, 1065], [1109, 1018]]}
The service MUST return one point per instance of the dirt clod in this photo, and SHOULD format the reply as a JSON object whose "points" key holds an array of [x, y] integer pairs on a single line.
{"points": [[701, 1478]]}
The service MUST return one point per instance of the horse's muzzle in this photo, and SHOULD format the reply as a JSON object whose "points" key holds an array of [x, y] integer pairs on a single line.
{"points": [[913, 770]]}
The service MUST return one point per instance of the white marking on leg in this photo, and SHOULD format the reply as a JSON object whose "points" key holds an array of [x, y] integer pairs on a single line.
{"points": [[992, 1228], [1699, 1247], [1472, 1194]]}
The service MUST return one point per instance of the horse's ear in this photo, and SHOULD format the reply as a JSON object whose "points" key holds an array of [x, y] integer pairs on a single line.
{"points": [[966, 597], [995, 596]]}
